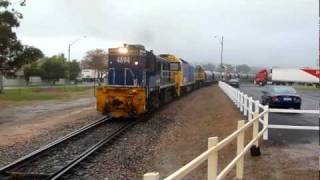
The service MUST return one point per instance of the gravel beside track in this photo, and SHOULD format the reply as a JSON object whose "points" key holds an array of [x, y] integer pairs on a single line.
{"points": [[12, 152], [128, 157]]}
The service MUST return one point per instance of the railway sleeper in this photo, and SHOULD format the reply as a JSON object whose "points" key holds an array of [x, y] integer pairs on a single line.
{"points": [[23, 176]]}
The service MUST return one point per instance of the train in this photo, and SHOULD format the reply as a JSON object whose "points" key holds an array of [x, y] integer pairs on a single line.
{"points": [[138, 81]]}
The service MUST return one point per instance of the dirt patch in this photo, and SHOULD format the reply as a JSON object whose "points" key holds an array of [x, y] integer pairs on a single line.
{"points": [[11, 134], [290, 161], [22, 112], [28, 127], [5, 104], [21, 123]]}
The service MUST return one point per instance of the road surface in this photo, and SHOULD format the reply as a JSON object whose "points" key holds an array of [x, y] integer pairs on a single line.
{"points": [[310, 101]]}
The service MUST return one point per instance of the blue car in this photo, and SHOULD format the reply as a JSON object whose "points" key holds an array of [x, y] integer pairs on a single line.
{"points": [[281, 97], [234, 83]]}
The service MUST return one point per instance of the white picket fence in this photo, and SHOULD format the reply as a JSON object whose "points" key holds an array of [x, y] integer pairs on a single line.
{"points": [[246, 103], [255, 113]]}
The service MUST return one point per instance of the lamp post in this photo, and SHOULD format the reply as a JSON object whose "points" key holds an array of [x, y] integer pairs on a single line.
{"points": [[221, 50], [1, 81], [72, 43], [69, 50]]}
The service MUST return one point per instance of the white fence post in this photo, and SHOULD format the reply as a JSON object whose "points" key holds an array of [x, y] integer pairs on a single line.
{"points": [[241, 102], [250, 108], [256, 108], [235, 96], [245, 110], [232, 95], [240, 147], [238, 98], [266, 122], [255, 128], [151, 176], [212, 159]]}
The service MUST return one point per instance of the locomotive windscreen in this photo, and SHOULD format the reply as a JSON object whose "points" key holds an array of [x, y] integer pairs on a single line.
{"points": [[126, 66]]}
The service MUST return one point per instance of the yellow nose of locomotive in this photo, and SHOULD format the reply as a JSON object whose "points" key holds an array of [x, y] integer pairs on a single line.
{"points": [[121, 102]]}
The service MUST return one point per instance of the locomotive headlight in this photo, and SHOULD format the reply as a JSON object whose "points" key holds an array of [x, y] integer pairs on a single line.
{"points": [[136, 63], [123, 50]]}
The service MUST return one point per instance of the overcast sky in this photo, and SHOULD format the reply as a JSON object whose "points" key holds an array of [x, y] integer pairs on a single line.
{"points": [[267, 33]]}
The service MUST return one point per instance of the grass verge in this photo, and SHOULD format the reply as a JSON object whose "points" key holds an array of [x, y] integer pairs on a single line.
{"points": [[302, 87], [48, 93]]}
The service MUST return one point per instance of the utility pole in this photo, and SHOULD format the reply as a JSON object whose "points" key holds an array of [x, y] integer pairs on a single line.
{"points": [[319, 51], [1, 82], [69, 46], [221, 52], [69, 51], [72, 43], [221, 58]]}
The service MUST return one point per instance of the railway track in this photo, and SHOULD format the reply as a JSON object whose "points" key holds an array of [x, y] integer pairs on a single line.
{"points": [[53, 160]]}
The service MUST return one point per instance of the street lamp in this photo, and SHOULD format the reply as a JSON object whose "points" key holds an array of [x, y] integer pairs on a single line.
{"points": [[72, 43], [221, 55]]}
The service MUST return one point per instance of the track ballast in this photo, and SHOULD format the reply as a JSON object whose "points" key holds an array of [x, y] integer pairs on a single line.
{"points": [[55, 159]]}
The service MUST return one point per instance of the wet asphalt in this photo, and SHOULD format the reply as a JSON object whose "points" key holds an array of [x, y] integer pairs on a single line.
{"points": [[310, 101]]}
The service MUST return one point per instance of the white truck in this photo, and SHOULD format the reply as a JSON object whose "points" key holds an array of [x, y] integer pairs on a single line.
{"points": [[286, 75]]}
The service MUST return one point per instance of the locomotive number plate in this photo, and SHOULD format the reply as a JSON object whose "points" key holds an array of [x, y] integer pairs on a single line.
{"points": [[123, 59]]}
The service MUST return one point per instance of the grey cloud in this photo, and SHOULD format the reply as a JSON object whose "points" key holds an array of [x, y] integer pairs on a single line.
{"points": [[262, 33]]}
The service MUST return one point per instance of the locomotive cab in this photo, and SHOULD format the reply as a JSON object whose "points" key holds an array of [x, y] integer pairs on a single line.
{"points": [[200, 76], [183, 73], [176, 70]]}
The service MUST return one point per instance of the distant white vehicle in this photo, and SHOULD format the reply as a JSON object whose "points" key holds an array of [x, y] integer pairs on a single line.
{"points": [[288, 75], [88, 74], [295, 75]]}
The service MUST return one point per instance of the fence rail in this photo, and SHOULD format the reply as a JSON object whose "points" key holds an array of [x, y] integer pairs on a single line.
{"points": [[256, 114]]}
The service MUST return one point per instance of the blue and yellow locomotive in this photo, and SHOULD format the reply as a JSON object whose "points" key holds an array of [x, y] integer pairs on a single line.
{"points": [[137, 81]]}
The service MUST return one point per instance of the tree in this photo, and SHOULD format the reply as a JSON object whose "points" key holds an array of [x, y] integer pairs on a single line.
{"points": [[97, 60], [10, 46], [32, 69], [243, 68], [74, 69], [54, 68], [27, 55]]}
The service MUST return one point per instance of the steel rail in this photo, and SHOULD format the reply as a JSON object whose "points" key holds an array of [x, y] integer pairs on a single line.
{"points": [[91, 150], [49, 146]]}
